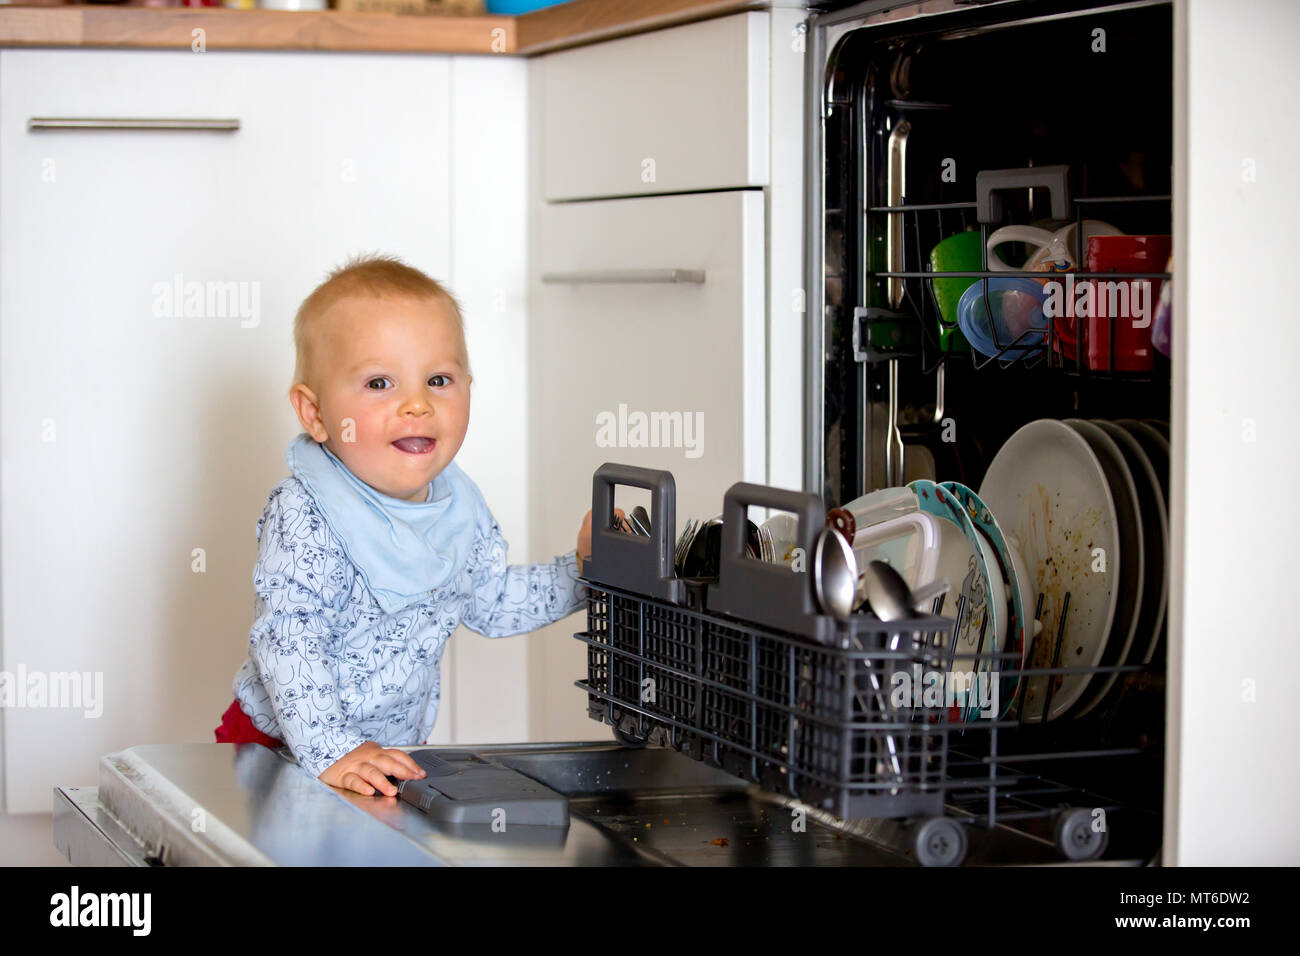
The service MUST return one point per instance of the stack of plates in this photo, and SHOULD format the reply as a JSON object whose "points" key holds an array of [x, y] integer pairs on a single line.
{"points": [[979, 586], [1085, 501], [1067, 508]]}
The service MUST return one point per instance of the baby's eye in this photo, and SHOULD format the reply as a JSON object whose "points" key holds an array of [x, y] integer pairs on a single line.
{"points": [[377, 378], [433, 380]]}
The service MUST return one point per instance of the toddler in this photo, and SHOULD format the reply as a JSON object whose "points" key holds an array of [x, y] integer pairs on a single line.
{"points": [[377, 545]]}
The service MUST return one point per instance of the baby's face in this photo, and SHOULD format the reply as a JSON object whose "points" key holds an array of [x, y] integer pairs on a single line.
{"points": [[391, 367]]}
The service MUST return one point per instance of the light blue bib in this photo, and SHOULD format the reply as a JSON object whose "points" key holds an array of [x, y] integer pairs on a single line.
{"points": [[405, 550]]}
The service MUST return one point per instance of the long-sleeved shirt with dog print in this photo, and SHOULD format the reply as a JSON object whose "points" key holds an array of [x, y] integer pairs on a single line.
{"points": [[328, 669]]}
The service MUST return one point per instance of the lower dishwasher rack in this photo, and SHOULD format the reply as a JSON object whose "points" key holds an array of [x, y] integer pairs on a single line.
{"points": [[827, 714]]}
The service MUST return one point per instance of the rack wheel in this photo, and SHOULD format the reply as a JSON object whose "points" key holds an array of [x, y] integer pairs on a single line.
{"points": [[939, 841], [629, 740], [1075, 837]]}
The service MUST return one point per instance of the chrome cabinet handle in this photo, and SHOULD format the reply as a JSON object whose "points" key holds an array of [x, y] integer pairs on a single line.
{"points": [[608, 276], [58, 122]]}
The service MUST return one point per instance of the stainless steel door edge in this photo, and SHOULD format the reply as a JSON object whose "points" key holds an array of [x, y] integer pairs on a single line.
{"points": [[245, 805], [87, 836], [242, 805], [164, 819]]}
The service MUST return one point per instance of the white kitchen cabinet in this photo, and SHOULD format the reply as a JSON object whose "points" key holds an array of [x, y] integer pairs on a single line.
{"points": [[612, 337], [140, 440], [717, 104], [714, 103], [686, 108], [437, 159]]}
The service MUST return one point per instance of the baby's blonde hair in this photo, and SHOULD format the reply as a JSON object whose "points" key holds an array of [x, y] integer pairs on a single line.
{"points": [[368, 275]]}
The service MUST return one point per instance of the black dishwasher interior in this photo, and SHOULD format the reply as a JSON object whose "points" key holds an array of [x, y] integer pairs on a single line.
{"points": [[999, 96], [917, 115]]}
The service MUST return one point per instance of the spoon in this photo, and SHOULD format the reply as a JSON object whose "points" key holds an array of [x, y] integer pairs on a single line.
{"points": [[888, 595], [835, 575], [891, 600]]}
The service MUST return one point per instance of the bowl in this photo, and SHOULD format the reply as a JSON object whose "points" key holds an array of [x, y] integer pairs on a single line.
{"points": [[1017, 309]]}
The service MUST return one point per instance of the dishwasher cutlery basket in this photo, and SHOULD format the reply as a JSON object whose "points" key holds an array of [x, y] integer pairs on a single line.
{"points": [[747, 674]]}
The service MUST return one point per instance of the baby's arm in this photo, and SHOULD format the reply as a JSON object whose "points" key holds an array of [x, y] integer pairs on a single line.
{"points": [[301, 579], [517, 598]]}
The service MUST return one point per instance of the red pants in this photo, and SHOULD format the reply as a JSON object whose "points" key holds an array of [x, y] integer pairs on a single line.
{"points": [[236, 728]]}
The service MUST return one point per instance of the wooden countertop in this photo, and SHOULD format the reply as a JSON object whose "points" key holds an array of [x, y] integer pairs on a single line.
{"points": [[571, 24]]}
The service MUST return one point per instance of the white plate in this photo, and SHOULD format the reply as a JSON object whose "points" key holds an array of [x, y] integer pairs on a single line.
{"points": [[1047, 488], [999, 607], [1154, 464], [784, 530], [962, 561], [1128, 607], [1016, 580]]}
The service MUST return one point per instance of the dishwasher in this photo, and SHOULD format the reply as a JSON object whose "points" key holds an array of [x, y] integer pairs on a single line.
{"points": [[955, 152], [745, 717], [938, 121]]}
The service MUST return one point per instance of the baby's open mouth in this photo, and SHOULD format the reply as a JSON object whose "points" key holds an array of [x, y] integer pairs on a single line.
{"points": [[415, 446]]}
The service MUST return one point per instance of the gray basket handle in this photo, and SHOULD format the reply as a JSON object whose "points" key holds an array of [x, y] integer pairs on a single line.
{"points": [[989, 182], [632, 562], [759, 591]]}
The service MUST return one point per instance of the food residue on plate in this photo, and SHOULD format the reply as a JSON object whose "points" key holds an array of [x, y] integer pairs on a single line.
{"points": [[1063, 557]]}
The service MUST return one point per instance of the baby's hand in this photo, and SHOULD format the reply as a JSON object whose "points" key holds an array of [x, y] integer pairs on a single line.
{"points": [[584, 536], [367, 769]]}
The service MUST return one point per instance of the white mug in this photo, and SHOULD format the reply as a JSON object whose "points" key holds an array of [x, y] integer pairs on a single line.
{"points": [[1056, 248]]}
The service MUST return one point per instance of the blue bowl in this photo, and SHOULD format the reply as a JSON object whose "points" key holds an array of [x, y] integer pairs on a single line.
{"points": [[516, 7], [1017, 309]]}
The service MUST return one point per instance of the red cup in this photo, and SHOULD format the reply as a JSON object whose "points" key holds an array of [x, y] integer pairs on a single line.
{"points": [[1067, 337], [1127, 305]]}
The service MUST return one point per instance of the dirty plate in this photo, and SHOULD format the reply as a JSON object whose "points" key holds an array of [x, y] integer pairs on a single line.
{"points": [[1155, 542], [1046, 487], [1128, 507]]}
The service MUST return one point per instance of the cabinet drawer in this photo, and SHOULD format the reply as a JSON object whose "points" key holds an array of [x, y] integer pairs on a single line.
{"points": [[600, 347], [669, 111]]}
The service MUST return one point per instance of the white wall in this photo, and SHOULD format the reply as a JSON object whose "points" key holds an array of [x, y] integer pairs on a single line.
{"points": [[1236, 534], [488, 679]]}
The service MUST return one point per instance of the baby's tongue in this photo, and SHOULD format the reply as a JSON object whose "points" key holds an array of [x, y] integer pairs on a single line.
{"points": [[413, 445]]}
